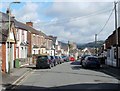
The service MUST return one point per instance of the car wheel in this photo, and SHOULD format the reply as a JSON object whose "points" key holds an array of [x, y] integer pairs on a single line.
{"points": [[52, 65], [49, 66], [98, 66], [82, 66]]}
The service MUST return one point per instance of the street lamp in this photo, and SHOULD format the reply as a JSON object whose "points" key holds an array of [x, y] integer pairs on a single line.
{"points": [[95, 44], [9, 37], [116, 30]]}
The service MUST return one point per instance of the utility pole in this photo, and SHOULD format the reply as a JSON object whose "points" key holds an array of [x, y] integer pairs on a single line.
{"points": [[9, 44], [117, 60], [96, 44], [68, 48]]}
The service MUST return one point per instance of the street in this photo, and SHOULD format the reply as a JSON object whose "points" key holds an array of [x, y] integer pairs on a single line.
{"points": [[67, 76]]}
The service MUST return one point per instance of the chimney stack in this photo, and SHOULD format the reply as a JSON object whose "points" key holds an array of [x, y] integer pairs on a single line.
{"points": [[29, 24]]}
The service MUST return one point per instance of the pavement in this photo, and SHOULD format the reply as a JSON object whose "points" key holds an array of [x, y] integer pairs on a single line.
{"points": [[16, 74], [111, 71], [9, 80]]}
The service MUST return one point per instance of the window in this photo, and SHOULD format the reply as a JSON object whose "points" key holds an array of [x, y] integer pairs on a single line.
{"points": [[108, 53], [17, 33], [115, 53], [22, 48], [23, 36]]}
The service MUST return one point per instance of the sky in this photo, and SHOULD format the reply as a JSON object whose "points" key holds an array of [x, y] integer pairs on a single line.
{"points": [[69, 21]]}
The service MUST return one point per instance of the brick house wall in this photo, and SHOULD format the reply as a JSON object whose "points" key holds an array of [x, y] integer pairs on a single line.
{"points": [[4, 57], [29, 39]]}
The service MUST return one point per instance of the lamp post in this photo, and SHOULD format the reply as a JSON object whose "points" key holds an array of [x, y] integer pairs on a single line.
{"points": [[95, 44], [68, 48], [9, 54], [117, 59]]}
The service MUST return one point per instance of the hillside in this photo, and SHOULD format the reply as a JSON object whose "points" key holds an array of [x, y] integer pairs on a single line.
{"points": [[90, 44]]}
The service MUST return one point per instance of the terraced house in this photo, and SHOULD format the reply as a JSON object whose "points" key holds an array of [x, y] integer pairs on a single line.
{"points": [[23, 42], [8, 42], [110, 46]]}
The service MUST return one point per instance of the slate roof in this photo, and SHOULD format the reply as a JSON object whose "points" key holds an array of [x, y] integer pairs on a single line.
{"points": [[53, 39], [48, 37], [4, 27], [63, 45], [42, 46]]}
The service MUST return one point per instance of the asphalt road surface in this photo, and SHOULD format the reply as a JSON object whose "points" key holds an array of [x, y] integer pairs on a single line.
{"points": [[68, 76]]}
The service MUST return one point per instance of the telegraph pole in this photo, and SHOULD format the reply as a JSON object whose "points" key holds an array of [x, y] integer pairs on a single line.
{"points": [[116, 29], [68, 48], [96, 44]]}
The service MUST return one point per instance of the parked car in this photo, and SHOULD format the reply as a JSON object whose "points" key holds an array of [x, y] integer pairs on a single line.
{"points": [[57, 58], [82, 58], [61, 59], [65, 58], [43, 61], [54, 62], [72, 59], [91, 61]]}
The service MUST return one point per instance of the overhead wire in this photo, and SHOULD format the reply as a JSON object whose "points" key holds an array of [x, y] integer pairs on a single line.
{"points": [[106, 21], [76, 18]]}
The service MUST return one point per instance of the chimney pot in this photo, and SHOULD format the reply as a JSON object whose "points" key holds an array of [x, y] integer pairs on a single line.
{"points": [[29, 23]]}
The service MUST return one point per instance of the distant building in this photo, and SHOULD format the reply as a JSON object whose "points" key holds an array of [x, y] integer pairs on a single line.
{"points": [[55, 45], [88, 51], [62, 48]]}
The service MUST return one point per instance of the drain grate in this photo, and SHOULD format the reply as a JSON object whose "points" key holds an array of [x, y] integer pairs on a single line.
{"points": [[97, 80]]}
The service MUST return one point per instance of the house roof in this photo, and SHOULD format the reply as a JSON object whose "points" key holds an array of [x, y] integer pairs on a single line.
{"points": [[20, 24], [4, 26], [48, 37], [4, 32], [53, 39], [63, 45], [42, 46]]}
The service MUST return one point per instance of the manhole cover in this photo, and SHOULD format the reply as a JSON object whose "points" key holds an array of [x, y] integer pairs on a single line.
{"points": [[97, 80]]}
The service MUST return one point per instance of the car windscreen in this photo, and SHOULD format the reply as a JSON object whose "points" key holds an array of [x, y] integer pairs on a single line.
{"points": [[42, 58], [52, 57], [85, 56], [56, 57], [92, 59]]}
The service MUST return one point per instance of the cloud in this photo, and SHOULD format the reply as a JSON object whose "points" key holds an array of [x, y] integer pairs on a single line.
{"points": [[29, 12], [73, 21], [73, 27]]}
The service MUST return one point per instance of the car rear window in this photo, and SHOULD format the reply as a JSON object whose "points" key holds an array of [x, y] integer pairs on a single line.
{"points": [[56, 57], [42, 58], [52, 57], [92, 59]]}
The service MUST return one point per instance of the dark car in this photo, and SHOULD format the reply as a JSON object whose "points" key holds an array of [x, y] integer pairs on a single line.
{"points": [[91, 61], [43, 61], [61, 59], [54, 62], [82, 58], [65, 58], [57, 58]]}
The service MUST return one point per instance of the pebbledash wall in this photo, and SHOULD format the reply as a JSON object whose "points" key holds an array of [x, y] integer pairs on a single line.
{"points": [[21, 47]]}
